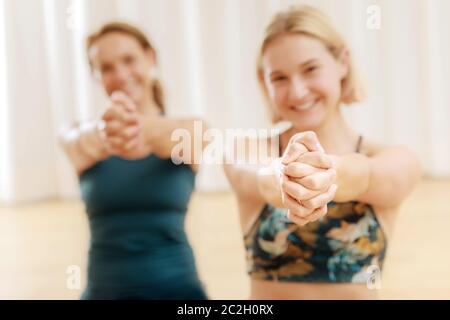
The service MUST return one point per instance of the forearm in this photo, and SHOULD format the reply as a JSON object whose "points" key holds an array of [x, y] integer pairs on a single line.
{"points": [[258, 183], [83, 145], [170, 137], [353, 176]]}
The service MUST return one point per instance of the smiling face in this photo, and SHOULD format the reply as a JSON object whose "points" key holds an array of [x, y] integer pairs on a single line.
{"points": [[123, 65], [303, 80]]}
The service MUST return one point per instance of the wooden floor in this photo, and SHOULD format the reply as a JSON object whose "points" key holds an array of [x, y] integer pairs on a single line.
{"points": [[39, 242]]}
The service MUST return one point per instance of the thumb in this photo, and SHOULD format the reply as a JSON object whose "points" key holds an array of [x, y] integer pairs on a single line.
{"points": [[119, 97]]}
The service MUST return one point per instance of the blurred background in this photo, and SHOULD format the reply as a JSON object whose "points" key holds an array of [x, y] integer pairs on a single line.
{"points": [[207, 53]]}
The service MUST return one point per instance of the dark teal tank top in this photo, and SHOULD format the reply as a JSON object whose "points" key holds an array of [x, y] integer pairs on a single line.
{"points": [[138, 247]]}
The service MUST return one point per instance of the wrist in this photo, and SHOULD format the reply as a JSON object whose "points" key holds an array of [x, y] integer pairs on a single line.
{"points": [[338, 165], [100, 134], [269, 182], [92, 141], [352, 176]]}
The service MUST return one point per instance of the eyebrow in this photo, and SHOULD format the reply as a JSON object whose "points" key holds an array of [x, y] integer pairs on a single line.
{"points": [[302, 65]]}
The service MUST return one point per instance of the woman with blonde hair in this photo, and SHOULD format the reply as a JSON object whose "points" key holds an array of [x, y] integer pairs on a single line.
{"points": [[136, 197], [317, 212]]}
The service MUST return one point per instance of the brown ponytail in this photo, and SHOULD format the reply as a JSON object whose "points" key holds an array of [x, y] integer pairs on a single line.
{"points": [[158, 94]]}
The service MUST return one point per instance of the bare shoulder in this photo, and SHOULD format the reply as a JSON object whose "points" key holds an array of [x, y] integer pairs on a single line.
{"points": [[372, 148]]}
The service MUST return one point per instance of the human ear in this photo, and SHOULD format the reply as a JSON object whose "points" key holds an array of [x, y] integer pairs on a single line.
{"points": [[151, 56], [343, 60]]}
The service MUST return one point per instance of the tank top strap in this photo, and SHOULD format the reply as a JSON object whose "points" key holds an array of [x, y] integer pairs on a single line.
{"points": [[358, 145], [280, 147]]}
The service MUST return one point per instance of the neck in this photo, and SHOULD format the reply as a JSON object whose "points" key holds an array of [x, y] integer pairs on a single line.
{"points": [[148, 106], [334, 134]]}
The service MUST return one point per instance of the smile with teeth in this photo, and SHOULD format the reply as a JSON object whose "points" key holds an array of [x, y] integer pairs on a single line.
{"points": [[305, 106]]}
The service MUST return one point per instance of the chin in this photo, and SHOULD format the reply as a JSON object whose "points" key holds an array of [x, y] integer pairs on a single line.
{"points": [[301, 126], [136, 97], [309, 122]]}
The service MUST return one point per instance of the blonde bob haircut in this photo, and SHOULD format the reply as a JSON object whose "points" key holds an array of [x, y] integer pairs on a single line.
{"points": [[311, 22]]}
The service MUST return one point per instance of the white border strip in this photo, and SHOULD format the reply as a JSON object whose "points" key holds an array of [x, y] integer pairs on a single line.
{"points": [[5, 130]]}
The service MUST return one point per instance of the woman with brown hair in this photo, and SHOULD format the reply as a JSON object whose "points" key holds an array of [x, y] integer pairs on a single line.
{"points": [[136, 197]]}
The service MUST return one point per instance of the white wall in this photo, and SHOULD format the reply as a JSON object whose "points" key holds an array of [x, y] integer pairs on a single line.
{"points": [[207, 51]]}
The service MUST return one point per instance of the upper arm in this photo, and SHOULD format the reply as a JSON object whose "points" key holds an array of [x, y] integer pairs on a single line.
{"points": [[393, 173]]}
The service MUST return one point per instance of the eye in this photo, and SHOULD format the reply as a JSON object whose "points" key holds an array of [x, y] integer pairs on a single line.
{"points": [[311, 69], [129, 60], [106, 69], [278, 79]]}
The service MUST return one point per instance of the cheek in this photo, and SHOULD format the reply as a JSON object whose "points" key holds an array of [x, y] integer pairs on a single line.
{"points": [[141, 71], [278, 94], [140, 74], [328, 86]]}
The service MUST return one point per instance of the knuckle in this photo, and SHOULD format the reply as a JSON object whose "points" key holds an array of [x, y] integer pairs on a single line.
{"points": [[129, 133], [291, 216], [108, 130], [292, 208], [311, 182], [294, 211], [295, 147], [322, 158], [303, 212], [300, 193], [296, 219], [323, 201], [310, 135], [310, 204], [299, 169], [291, 167], [284, 184], [296, 136]]}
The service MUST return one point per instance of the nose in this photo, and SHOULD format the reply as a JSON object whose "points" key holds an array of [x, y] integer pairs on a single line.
{"points": [[121, 75], [298, 90]]}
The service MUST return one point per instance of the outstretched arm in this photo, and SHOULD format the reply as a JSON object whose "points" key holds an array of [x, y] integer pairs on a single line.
{"points": [[382, 179], [84, 145]]}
